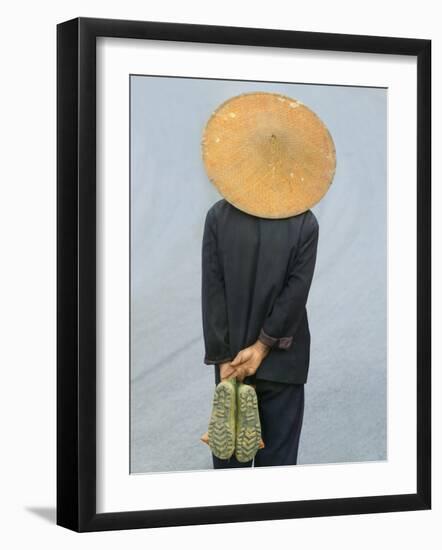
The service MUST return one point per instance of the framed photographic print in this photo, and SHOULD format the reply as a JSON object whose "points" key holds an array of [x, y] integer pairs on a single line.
{"points": [[243, 258]]}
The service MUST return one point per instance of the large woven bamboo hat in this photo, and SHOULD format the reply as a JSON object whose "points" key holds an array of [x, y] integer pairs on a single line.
{"points": [[268, 154]]}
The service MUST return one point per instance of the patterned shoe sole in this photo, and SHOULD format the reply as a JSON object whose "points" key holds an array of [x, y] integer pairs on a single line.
{"points": [[248, 424], [222, 421]]}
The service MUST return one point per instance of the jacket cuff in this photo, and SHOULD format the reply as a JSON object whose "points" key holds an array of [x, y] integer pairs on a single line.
{"points": [[281, 343], [209, 361]]}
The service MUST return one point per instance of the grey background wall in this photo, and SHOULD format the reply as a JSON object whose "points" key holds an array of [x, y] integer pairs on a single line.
{"points": [[171, 388]]}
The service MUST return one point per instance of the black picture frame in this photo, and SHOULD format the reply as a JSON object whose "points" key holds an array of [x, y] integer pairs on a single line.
{"points": [[76, 273]]}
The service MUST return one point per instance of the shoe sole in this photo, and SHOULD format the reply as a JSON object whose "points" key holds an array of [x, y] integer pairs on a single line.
{"points": [[248, 424], [222, 421]]}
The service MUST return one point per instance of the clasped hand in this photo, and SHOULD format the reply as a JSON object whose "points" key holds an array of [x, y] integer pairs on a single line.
{"points": [[246, 362]]}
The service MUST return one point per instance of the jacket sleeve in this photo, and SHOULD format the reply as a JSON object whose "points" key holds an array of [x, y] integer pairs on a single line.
{"points": [[288, 309], [214, 308]]}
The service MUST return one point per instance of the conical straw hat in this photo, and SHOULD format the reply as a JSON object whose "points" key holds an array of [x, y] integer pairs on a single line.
{"points": [[268, 154]]}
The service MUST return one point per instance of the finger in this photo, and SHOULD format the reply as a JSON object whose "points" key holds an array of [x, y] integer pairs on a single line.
{"points": [[237, 360], [244, 365], [236, 367], [240, 375], [228, 373], [225, 368]]}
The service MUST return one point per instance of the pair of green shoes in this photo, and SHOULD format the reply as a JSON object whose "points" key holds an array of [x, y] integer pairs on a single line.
{"points": [[234, 426]]}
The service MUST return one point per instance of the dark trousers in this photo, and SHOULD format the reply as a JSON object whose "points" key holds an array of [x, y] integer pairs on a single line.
{"points": [[281, 411]]}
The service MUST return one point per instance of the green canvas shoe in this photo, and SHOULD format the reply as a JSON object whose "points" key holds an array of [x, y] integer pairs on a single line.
{"points": [[222, 430], [248, 425]]}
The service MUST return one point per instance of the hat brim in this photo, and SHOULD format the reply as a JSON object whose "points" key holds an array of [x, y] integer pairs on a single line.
{"points": [[268, 154]]}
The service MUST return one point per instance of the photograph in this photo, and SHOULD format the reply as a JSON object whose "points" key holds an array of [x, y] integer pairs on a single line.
{"points": [[258, 274]]}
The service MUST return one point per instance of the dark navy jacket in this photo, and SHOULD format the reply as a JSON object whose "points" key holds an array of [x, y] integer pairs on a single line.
{"points": [[256, 277]]}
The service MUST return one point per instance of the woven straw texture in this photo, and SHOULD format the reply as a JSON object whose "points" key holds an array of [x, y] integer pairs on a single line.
{"points": [[268, 154]]}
